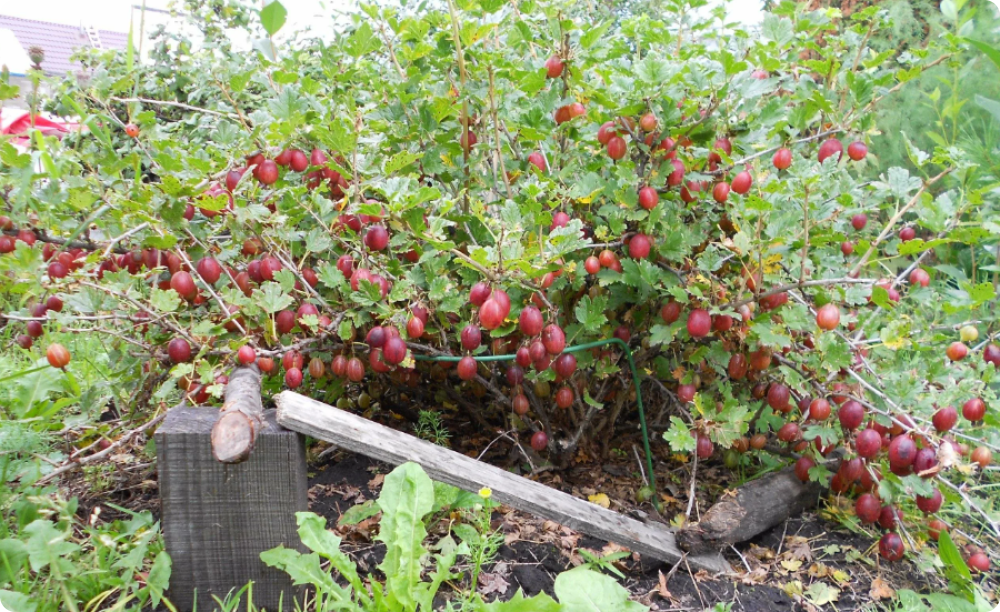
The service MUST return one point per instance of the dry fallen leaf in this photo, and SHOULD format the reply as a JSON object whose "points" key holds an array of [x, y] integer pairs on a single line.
{"points": [[818, 570], [792, 565], [821, 594], [798, 548], [600, 499], [757, 575], [792, 588], [492, 583], [662, 589], [881, 590]]}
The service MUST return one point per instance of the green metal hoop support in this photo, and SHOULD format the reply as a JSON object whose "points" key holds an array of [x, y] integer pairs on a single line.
{"points": [[575, 349]]}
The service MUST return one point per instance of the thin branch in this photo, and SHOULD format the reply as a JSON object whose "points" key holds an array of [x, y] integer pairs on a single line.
{"points": [[176, 105], [121, 296], [74, 464], [86, 245], [114, 241], [890, 225], [809, 283]]}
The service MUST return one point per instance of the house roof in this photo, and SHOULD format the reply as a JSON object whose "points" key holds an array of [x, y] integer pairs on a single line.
{"points": [[58, 40]]}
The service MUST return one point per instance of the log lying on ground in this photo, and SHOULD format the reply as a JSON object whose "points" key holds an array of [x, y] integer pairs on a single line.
{"points": [[351, 432], [749, 511], [240, 419]]}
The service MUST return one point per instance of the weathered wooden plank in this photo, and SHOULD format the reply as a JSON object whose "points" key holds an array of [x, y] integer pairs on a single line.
{"points": [[235, 433], [351, 432], [217, 518]]}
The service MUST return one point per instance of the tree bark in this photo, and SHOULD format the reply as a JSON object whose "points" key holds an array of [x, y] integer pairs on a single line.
{"points": [[240, 419], [750, 510]]}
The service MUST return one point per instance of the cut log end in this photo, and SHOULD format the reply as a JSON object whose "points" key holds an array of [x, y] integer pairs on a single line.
{"points": [[233, 436], [749, 511]]}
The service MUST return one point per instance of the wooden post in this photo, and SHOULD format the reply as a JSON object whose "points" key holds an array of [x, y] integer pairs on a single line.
{"points": [[351, 432], [217, 518]]}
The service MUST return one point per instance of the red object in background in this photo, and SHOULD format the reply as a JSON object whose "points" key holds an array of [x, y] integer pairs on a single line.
{"points": [[19, 122]]}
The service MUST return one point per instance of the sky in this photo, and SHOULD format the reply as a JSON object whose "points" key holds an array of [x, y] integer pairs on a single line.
{"points": [[115, 14]]}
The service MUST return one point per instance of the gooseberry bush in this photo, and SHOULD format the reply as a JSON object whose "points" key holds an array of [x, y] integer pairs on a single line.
{"points": [[519, 178]]}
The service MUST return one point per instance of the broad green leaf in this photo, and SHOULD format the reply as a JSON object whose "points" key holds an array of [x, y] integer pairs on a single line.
{"points": [[164, 300], [34, 387], [584, 590], [400, 161], [13, 554], [17, 602], [273, 16], [991, 52], [273, 298], [662, 334], [362, 41], [47, 545], [951, 557], [590, 313], [880, 296], [358, 513], [679, 436], [305, 569], [407, 495], [159, 577], [288, 105], [520, 603], [989, 105], [594, 33]]}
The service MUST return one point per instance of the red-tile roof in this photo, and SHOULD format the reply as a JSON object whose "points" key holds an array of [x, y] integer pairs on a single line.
{"points": [[58, 40]]}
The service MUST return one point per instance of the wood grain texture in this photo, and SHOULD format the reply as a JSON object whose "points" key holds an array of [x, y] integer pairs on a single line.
{"points": [[751, 510], [351, 432], [240, 420], [217, 518]]}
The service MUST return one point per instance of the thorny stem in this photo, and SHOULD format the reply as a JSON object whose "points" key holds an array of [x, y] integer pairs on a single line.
{"points": [[467, 146], [805, 237], [496, 134], [121, 296], [895, 219], [176, 105]]}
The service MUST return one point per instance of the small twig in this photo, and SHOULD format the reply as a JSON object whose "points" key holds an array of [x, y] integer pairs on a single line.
{"points": [[805, 237], [742, 558], [642, 470], [169, 324], [496, 134], [111, 245], [695, 583], [965, 496], [694, 480], [74, 464], [894, 220]]}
